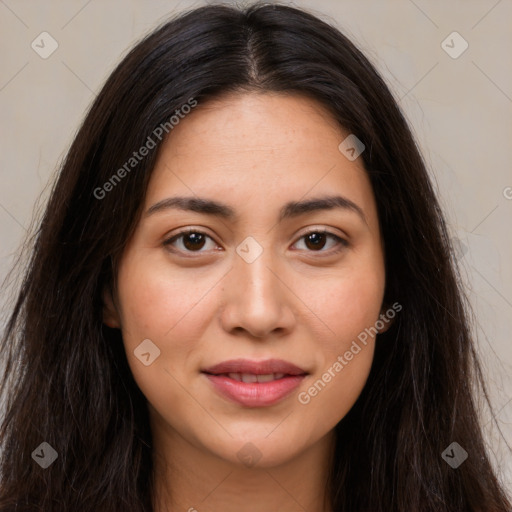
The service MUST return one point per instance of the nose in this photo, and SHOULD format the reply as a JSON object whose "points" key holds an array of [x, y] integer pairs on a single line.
{"points": [[257, 300]]}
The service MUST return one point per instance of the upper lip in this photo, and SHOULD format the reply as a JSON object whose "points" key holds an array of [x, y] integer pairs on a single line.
{"points": [[255, 367]]}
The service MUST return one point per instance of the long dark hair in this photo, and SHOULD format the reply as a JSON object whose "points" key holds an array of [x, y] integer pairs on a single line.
{"points": [[67, 381]]}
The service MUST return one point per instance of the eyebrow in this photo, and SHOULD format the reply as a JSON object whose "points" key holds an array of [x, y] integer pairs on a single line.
{"points": [[289, 210]]}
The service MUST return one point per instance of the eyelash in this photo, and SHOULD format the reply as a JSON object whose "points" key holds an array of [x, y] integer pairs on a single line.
{"points": [[342, 243]]}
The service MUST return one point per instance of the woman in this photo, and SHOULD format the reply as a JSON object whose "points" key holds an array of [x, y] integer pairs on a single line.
{"points": [[242, 293]]}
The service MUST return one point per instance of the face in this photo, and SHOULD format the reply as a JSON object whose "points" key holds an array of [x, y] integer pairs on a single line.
{"points": [[258, 278]]}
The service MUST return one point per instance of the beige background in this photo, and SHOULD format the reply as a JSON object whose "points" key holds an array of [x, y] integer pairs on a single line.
{"points": [[460, 110]]}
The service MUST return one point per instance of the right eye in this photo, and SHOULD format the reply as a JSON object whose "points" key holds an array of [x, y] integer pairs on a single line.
{"points": [[191, 240]]}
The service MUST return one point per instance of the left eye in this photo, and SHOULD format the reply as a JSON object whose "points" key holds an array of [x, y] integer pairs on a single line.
{"points": [[194, 240], [317, 240]]}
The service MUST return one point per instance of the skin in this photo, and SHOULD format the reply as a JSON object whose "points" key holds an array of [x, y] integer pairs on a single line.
{"points": [[295, 302]]}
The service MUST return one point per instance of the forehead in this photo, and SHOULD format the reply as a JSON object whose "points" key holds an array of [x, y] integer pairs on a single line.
{"points": [[282, 126], [258, 149]]}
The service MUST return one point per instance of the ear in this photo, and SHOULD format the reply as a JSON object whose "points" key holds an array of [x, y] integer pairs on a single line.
{"points": [[385, 321], [110, 313]]}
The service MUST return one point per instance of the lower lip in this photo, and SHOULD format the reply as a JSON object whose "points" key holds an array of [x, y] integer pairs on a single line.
{"points": [[255, 394]]}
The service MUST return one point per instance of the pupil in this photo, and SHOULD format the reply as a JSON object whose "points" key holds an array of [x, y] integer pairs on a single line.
{"points": [[196, 239], [316, 239]]}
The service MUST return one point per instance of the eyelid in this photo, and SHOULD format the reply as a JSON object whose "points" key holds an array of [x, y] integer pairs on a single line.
{"points": [[326, 230]]}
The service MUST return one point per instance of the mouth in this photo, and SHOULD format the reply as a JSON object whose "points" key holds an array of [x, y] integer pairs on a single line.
{"points": [[258, 368], [255, 383], [251, 378]]}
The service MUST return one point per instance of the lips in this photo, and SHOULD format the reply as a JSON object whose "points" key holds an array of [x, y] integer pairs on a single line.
{"points": [[255, 383], [246, 366]]}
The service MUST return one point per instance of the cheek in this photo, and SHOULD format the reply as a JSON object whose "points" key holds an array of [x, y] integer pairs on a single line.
{"points": [[155, 302], [345, 304], [350, 307], [331, 393], [165, 309]]}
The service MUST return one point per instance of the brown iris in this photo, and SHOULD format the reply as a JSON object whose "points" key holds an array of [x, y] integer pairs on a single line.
{"points": [[193, 241], [316, 239]]}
